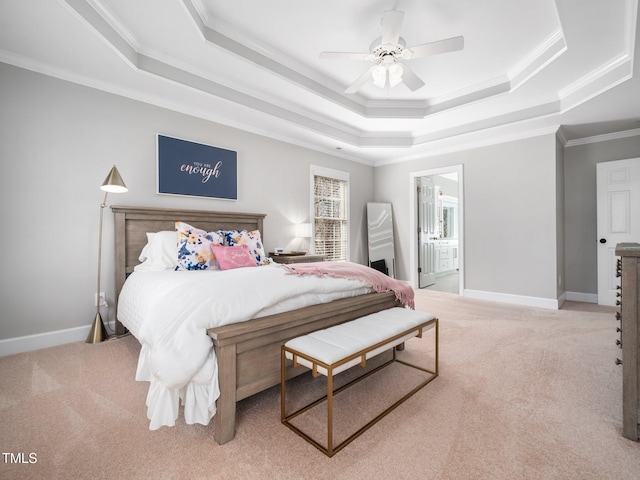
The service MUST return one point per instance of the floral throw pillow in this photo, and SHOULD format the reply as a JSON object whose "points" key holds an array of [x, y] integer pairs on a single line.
{"points": [[253, 242], [233, 257], [194, 248]]}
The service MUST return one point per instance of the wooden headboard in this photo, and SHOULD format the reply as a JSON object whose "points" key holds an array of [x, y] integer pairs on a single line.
{"points": [[132, 224]]}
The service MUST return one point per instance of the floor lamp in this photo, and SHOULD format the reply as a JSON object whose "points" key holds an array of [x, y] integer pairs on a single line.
{"points": [[112, 184]]}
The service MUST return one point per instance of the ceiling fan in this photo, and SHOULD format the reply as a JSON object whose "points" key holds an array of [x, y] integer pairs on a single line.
{"points": [[387, 51]]}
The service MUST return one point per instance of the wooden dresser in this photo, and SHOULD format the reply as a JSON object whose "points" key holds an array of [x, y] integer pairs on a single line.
{"points": [[628, 301]]}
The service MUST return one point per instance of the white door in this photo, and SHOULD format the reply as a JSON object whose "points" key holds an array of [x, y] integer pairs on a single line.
{"points": [[618, 187], [427, 231]]}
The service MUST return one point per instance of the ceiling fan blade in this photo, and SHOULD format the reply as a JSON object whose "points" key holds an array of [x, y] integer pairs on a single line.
{"points": [[345, 55], [440, 46], [410, 79], [391, 23], [362, 79]]}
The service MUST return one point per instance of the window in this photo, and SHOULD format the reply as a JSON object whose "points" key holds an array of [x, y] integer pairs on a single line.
{"points": [[330, 190]]}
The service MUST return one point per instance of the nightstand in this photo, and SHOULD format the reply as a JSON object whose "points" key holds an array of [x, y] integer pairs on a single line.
{"points": [[285, 258]]}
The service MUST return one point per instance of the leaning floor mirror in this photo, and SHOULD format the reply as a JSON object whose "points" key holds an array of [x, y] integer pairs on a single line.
{"points": [[380, 238]]}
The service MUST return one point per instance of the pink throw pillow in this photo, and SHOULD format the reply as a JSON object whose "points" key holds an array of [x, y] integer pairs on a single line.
{"points": [[233, 257]]}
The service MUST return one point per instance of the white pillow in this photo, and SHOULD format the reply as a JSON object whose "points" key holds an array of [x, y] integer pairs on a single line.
{"points": [[160, 252]]}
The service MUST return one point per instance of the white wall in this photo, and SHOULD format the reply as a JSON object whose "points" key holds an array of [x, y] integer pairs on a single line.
{"points": [[59, 140], [510, 211]]}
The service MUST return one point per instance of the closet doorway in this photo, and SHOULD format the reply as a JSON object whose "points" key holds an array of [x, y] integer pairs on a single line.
{"points": [[437, 220]]}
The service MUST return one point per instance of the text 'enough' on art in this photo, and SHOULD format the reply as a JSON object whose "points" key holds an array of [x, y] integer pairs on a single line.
{"points": [[203, 169]]}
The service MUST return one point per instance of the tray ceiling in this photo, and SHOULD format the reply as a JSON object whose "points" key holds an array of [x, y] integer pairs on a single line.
{"points": [[527, 67]]}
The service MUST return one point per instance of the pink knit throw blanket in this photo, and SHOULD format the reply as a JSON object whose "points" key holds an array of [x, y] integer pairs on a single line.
{"points": [[354, 271]]}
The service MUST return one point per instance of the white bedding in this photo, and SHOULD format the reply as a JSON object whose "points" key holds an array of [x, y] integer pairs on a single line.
{"points": [[169, 313]]}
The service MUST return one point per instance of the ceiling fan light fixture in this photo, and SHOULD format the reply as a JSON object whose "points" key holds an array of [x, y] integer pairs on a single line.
{"points": [[379, 76], [395, 74], [388, 50]]}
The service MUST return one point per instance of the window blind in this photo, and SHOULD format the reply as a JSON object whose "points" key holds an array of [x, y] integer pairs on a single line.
{"points": [[330, 225]]}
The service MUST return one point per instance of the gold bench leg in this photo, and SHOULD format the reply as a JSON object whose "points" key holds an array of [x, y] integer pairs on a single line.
{"points": [[330, 413]]}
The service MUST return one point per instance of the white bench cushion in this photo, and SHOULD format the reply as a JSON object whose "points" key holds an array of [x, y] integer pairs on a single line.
{"points": [[336, 343]]}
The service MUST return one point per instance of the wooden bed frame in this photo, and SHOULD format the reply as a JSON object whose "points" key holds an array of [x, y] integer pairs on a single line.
{"points": [[248, 353]]}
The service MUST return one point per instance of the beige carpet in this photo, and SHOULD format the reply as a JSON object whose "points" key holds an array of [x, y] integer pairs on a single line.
{"points": [[523, 393]]}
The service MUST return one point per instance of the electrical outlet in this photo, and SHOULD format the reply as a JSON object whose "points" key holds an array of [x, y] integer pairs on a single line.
{"points": [[102, 300]]}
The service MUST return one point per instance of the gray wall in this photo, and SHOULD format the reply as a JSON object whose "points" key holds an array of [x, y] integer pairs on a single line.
{"points": [[530, 205], [580, 207], [510, 214], [59, 140]]}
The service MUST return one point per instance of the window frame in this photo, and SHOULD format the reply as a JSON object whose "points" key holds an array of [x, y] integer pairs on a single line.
{"points": [[336, 175]]}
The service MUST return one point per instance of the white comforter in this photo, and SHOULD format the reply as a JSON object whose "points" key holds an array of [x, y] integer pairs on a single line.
{"points": [[169, 312]]}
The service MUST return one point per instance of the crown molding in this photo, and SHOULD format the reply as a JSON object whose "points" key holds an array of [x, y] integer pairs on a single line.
{"points": [[560, 135], [475, 139], [543, 55], [114, 22], [605, 77], [93, 19], [602, 138]]}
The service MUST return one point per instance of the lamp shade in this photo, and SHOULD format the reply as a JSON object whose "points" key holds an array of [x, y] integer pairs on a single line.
{"points": [[395, 74], [303, 230], [379, 76], [114, 183]]}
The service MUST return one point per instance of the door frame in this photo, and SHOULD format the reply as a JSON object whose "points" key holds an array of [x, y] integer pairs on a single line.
{"points": [[413, 223]]}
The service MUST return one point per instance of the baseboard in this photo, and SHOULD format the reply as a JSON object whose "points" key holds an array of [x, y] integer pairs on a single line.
{"points": [[582, 297], [550, 303], [29, 343], [561, 299]]}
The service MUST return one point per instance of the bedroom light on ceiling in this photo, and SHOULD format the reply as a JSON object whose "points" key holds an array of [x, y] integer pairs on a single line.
{"points": [[379, 76], [395, 74], [112, 184]]}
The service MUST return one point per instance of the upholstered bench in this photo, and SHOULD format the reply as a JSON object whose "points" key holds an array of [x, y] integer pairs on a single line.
{"points": [[336, 349]]}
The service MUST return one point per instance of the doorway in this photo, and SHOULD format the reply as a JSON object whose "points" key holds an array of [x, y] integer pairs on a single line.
{"points": [[436, 220], [618, 206]]}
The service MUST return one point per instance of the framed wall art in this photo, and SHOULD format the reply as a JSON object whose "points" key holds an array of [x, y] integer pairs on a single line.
{"points": [[196, 169]]}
